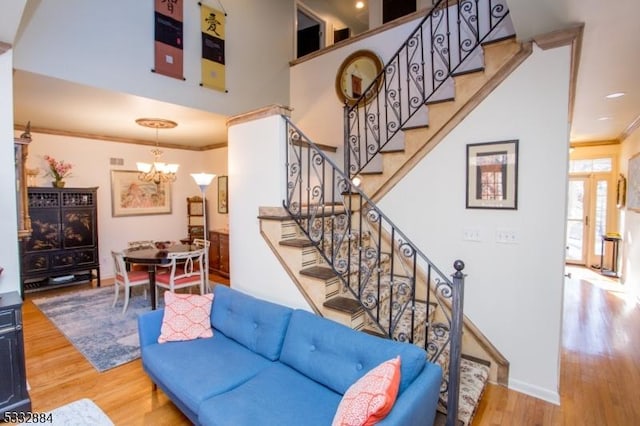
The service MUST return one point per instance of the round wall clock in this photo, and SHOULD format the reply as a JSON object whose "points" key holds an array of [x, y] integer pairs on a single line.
{"points": [[356, 74]]}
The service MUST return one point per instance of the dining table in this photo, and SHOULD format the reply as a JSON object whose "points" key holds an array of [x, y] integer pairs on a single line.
{"points": [[152, 257]]}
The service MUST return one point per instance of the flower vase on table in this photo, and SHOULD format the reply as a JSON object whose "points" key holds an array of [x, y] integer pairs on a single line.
{"points": [[58, 183]]}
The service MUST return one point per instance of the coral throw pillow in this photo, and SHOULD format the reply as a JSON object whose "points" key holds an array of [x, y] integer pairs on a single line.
{"points": [[370, 399], [186, 317]]}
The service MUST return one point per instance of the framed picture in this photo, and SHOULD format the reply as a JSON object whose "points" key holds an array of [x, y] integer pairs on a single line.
{"points": [[621, 191], [132, 197], [223, 195], [633, 184], [492, 175]]}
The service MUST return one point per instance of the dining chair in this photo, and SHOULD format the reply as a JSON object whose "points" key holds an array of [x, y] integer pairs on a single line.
{"points": [[185, 269], [126, 279], [199, 242]]}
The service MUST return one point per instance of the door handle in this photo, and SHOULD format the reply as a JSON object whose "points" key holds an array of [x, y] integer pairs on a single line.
{"points": [[586, 221]]}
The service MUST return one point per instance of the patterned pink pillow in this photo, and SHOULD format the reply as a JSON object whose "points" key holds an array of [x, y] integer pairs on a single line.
{"points": [[371, 398], [186, 317]]}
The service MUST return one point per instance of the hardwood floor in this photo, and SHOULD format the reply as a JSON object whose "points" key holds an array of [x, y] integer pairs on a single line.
{"points": [[600, 371], [600, 366]]}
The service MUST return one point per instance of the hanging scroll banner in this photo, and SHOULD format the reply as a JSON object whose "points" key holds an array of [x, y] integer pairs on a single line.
{"points": [[213, 73], [168, 38]]}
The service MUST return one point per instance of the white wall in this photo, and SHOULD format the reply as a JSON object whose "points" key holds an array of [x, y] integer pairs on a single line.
{"points": [[10, 278], [90, 160], [110, 45], [257, 178], [630, 222], [513, 291]]}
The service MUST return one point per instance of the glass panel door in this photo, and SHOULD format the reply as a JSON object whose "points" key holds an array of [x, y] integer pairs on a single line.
{"points": [[577, 220]]}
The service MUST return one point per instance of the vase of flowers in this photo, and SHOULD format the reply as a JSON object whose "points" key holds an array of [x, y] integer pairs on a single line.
{"points": [[58, 170]]}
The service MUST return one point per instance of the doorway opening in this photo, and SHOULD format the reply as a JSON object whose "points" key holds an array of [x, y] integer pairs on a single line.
{"points": [[590, 211], [310, 30]]}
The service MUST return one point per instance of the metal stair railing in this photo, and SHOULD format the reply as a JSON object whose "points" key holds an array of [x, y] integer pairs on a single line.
{"points": [[374, 260], [444, 39]]}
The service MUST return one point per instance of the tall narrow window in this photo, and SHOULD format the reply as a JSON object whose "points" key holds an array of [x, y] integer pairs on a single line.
{"points": [[601, 215]]}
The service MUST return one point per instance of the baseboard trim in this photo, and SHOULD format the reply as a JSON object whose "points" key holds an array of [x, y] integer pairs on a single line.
{"points": [[535, 391]]}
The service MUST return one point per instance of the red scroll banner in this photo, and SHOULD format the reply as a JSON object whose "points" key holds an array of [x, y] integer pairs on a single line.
{"points": [[168, 38]]}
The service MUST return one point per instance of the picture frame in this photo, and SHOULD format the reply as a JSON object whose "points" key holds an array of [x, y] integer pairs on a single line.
{"points": [[633, 183], [621, 191], [223, 194], [492, 175], [132, 197]]}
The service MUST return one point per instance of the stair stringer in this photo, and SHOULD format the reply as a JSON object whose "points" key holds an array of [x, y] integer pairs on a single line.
{"points": [[501, 59], [313, 290]]}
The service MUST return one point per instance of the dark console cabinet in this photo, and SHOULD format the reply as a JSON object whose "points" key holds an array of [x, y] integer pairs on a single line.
{"points": [[63, 246], [13, 383]]}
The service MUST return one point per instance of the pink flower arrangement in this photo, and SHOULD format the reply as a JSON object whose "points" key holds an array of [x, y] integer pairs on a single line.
{"points": [[58, 169]]}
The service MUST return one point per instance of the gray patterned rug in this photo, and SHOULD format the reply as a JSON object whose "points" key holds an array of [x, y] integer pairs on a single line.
{"points": [[105, 336]]}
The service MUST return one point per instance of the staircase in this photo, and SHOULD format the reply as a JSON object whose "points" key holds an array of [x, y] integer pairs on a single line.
{"points": [[348, 259]]}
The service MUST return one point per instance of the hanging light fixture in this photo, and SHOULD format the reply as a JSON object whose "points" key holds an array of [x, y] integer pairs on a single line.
{"points": [[157, 172]]}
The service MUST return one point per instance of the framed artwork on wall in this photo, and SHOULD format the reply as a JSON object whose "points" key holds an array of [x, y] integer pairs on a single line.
{"points": [[223, 194], [492, 175], [633, 184], [133, 197]]}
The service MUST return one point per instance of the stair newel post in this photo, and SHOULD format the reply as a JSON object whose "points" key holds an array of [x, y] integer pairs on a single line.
{"points": [[457, 303]]}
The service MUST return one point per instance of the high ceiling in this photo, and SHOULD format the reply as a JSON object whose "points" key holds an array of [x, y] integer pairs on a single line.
{"points": [[609, 62]]}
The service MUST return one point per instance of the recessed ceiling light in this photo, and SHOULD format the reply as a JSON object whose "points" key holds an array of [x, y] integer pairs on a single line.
{"points": [[604, 118], [359, 4], [615, 95]]}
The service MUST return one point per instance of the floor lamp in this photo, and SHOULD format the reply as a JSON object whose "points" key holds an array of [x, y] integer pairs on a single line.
{"points": [[203, 180]]}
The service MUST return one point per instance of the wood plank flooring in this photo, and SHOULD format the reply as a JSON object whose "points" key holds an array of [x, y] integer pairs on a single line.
{"points": [[600, 364], [600, 373]]}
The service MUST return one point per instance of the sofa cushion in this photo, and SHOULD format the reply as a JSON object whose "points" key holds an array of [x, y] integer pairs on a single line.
{"points": [[370, 399], [337, 356], [276, 396], [257, 324], [186, 317], [194, 371]]}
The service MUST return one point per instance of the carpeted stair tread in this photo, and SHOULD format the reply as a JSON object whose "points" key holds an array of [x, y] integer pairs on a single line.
{"points": [[473, 380], [343, 304], [320, 272], [297, 242]]}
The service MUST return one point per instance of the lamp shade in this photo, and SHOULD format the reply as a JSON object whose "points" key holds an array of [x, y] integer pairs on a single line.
{"points": [[203, 179]]}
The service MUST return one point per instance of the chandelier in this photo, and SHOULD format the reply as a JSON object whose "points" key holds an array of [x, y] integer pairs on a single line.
{"points": [[157, 172]]}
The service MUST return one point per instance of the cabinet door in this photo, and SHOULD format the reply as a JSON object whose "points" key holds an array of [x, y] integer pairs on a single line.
{"points": [[214, 251], [224, 253], [78, 228], [45, 230], [10, 388]]}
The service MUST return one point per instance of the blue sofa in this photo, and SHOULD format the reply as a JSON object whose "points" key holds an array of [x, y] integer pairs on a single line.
{"points": [[268, 364]]}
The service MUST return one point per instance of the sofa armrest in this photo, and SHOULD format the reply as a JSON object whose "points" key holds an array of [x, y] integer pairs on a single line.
{"points": [[149, 325], [417, 404]]}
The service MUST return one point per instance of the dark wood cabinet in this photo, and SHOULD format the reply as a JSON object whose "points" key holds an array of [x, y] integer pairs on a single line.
{"points": [[219, 252], [14, 396], [63, 246]]}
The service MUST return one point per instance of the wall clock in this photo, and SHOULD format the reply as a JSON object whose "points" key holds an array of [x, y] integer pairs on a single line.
{"points": [[356, 74]]}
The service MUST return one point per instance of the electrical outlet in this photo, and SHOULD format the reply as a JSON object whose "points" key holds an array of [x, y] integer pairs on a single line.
{"points": [[471, 234], [506, 236]]}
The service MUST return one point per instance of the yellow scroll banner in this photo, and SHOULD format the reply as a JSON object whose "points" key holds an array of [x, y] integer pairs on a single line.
{"points": [[213, 70]]}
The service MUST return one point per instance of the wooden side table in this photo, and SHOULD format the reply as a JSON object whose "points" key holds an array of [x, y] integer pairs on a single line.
{"points": [[615, 242]]}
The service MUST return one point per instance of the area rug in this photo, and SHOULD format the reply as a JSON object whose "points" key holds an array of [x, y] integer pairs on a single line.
{"points": [[104, 335], [82, 412]]}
